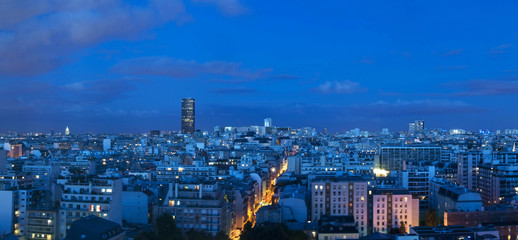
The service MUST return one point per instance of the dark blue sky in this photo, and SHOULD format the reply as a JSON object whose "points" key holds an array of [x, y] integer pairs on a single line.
{"points": [[123, 66]]}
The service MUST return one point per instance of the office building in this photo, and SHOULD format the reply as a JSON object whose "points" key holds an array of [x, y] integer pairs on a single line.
{"points": [[393, 158], [188, 112]]}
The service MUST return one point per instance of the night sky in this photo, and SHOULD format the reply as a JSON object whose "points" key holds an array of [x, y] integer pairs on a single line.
{"points": [[124, 66]]}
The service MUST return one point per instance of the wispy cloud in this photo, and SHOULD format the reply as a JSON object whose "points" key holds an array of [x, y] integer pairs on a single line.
{"points": [[504, 48], [236, 90], [340, 87], [485, 87], [403, 54], [39, 37], [97, 91], [228, 7], [452, 68], [415, 107], [32, 95], [284, 77], [119, 112], [40, 105], [453, 52], [179, 68], [365, 60]]}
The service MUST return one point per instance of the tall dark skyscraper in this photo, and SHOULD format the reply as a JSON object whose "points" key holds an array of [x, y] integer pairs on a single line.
{"points": [[188, 115]]}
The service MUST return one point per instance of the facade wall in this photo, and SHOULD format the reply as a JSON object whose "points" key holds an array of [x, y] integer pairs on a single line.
{"points": [[390, 210], [340, 199], [6, 212], [135, 207]]}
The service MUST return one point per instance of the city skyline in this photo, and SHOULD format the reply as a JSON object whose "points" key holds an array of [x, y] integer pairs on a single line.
{"points": [[253, 120], [118, 66]]}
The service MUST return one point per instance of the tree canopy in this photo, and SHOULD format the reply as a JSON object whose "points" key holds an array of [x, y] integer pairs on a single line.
{"points": [[271, 231], [165, 229]]}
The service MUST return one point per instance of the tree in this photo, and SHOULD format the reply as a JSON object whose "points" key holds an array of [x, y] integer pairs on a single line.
{"points": [[402, 228], [221, 236], [271, 231], [195, 235], [431, 219], [146, 235], [166, 228]]}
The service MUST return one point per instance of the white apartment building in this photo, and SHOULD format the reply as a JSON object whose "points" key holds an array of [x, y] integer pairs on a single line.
{"points": [[393, 207], [340, 196], [89, 196]]}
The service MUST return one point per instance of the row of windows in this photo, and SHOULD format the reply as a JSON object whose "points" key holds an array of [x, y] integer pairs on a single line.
{"points": [[344, 187], [383, 223]]}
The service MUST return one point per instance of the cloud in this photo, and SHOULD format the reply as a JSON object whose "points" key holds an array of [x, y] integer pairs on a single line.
{"points": [[403, 54], [453, 52], [34, 95], [340, 87], [284, 77], [367, 61], [97, 91], [36, 105], [228, 7], [504, 48], [452, 68], [119, 112], [237, 90], [414, 107], [179, 68], [486, 87], [38, 37]]}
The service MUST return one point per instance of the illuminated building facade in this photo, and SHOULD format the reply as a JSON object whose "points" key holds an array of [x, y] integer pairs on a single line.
{"points": [[392, 208]]}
